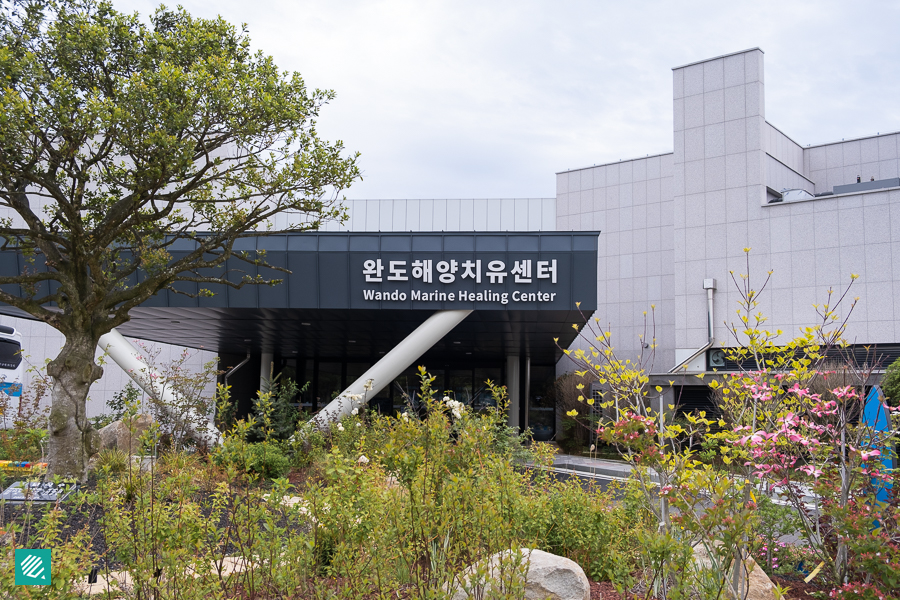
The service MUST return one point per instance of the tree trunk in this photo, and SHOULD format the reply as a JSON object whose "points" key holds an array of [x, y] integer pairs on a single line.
{"points": [[72, 438]]}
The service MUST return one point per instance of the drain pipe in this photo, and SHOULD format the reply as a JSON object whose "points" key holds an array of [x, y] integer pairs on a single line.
{"points": [[710, 286], [126, 356], [236, 367]]}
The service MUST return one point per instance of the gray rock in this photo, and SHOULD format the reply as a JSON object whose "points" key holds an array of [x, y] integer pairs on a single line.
{"points": [[125, 436], [548, 576], [759, 586]]}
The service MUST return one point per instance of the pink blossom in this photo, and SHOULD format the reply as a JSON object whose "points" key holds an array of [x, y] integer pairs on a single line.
{"points": [[870, 454], [811, 470]]}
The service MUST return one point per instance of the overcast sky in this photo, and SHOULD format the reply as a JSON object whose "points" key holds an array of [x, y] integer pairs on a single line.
{"points": [[461, 99]]}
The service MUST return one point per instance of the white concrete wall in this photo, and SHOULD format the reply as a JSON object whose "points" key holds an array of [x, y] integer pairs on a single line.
{"points": [[719, 180], [725, 155], [479, 214], [630, 202], [839, 163], [784, 149], [779, 177]]}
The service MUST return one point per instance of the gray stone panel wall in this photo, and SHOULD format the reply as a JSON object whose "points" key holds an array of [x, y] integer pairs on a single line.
{"points": [[630, 203], [725, 154], [480, 214], [719, 178], [840, 163], [784, 149]]}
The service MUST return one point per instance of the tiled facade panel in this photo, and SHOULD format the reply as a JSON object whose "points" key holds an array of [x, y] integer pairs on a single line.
{"points": [[493, 214], [630, 202], [783, 148], [719, 175], [725, 155], [840, 163], [815, 246]]}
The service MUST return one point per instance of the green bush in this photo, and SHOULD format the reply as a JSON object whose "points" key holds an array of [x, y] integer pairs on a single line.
{"points": [[267, 460], [397, 504], [113, 460], [890, 383]]}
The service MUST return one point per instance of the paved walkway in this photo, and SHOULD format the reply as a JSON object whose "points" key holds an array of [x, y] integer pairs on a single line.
{"points": [[584, 466]]}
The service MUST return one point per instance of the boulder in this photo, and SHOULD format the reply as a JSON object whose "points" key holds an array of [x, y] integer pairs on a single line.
{"points": [[548, 576], [761, 587], [125, 436], [759, 584]]}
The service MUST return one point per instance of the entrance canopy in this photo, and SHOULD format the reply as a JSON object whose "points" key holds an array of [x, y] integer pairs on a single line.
{"points": [[355, 295]]}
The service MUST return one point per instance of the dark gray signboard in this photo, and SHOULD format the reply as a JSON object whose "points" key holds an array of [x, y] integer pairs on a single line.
{"points": [[418, 271]]}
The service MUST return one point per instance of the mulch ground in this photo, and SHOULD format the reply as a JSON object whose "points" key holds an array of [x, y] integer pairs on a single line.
{"points": [[798, 589], [604, 590], [79, 515]]}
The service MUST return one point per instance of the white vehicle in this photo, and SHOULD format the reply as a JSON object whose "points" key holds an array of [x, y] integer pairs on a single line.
{"points": [[12, 372]]}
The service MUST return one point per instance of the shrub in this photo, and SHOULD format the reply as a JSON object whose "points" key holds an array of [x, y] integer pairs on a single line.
{"points": [[267, 460], [275, 416], [890, 383], [124, 402], [112, 460], [789, 422], [399, 507]]}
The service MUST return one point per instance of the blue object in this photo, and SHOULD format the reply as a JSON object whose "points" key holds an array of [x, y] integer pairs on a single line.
{"points": [[876, 417], [11, 389]]}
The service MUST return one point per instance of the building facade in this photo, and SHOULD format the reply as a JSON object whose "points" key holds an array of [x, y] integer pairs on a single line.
{"points": [[672, 229], [672, 221]]}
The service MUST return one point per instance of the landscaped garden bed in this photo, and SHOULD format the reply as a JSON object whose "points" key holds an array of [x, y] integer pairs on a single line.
{"points": [[441, 501]]}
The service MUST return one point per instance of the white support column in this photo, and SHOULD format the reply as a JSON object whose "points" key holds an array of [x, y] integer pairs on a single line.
{"points": [[126, 356], [265, 371], [382, 373], [513, 375]]}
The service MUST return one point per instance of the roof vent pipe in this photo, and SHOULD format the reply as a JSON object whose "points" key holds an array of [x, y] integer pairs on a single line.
{"points": [[232, 370], [710, 286]]}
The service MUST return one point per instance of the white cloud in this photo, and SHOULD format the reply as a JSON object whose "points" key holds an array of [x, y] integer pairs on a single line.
{"points": [[474, 99]]}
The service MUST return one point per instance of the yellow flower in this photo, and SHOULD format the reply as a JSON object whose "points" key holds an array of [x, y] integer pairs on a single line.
{"points": [[572, 413]]}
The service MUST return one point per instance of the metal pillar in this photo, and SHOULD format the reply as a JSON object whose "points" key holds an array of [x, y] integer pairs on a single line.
{"points": [[513, 387], [386, 370], [526, 393], [126, 356]]}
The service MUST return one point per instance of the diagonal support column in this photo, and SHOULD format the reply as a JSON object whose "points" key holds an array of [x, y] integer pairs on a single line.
{"points": [[392, 364], [126, 356]]}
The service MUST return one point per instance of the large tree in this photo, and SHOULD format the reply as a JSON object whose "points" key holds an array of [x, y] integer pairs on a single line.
{"points": [[119, 139]]}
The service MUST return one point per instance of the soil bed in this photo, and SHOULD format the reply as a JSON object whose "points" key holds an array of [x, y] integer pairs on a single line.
{"points": [[80, 515]]}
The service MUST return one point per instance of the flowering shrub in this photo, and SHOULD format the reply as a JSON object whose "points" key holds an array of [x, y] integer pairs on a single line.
{"points": [[790, 426], [782, 558]]}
